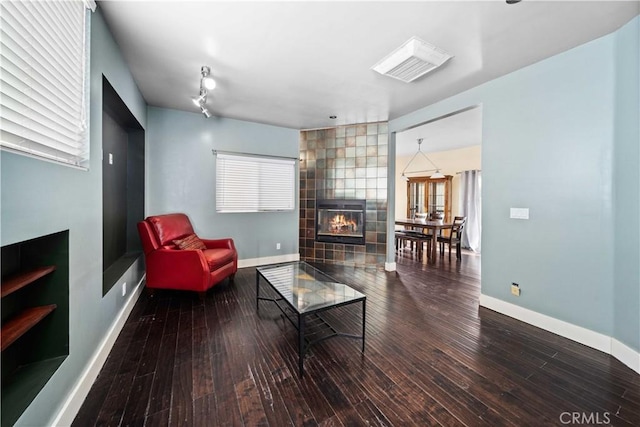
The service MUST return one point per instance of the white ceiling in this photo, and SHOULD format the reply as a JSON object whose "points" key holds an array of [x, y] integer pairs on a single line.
{"points": [[458, 130], [295, 63]]}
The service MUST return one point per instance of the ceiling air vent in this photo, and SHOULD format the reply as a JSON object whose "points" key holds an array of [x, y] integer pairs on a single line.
{"points": [[413, 59]]}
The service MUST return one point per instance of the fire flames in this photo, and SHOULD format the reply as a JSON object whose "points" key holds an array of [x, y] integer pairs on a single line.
{"points": [[340, 224]]}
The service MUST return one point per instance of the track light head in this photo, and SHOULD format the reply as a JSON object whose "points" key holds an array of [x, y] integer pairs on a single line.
{"points": [[200, 100], [207, 81]]}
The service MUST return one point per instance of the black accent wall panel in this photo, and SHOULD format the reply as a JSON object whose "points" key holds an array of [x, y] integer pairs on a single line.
{"points": [[114, 189], [123, 141]]}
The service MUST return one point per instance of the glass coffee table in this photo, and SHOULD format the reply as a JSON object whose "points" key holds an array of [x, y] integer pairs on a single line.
{"points": [[303, 292]]}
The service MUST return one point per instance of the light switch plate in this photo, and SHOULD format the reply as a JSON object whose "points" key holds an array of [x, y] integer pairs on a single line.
{"points": [[519, 213], [110, 158]]}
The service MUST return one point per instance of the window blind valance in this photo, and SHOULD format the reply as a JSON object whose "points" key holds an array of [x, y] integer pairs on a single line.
{"points": [[254, 183], [43, 80]]}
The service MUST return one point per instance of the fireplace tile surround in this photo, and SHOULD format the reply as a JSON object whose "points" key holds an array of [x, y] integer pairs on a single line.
{"points": [[345, 162]]}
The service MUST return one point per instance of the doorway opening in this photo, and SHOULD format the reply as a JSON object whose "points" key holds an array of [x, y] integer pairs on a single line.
{"points": [[442, 182]]}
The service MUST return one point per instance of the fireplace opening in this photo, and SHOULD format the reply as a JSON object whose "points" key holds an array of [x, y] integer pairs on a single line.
{"points": [[340, 221]]}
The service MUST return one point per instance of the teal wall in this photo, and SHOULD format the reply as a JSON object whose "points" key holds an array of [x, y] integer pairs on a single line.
{"points": [[550, 132], [627, 186], [181, 177], [40, 198]]}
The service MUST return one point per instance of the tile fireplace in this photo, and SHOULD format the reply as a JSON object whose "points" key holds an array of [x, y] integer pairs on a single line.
{"points": [[344, 163]]}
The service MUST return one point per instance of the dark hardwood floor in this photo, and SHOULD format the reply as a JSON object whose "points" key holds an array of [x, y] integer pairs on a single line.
{"points": [[432, 357]]}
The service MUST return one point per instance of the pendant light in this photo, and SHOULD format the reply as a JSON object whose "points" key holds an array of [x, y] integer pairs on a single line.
{"points": [[437, 173]]}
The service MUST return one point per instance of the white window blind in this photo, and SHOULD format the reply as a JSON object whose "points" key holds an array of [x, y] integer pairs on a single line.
{"points": [[254, 184], [42, 80]]}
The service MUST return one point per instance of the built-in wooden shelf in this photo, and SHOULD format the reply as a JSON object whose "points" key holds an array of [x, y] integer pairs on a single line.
{"points": [[34, 331], [22, 322], [21, 280]]}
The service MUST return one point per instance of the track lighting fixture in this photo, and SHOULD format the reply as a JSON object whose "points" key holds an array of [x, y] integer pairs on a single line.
{"points": [[206, 83], [437, 173]]}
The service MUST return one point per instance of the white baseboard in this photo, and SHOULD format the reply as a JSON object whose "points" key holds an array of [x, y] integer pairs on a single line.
{"points": [[625, 354], [74, 401], [252, 262], [390, 266], [585, 336]]}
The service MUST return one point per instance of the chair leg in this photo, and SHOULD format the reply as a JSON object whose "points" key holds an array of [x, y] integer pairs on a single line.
{"points": [[450, 251], [459, 251]]}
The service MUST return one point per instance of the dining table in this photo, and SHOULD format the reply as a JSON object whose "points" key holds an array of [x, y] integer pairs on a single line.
{"points": [[425, 224]]}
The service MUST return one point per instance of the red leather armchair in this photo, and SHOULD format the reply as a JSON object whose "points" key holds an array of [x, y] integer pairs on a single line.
{"points": [[169, 267]]}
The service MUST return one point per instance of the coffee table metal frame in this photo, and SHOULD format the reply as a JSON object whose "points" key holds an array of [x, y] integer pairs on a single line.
{"points": [[302, 316]]}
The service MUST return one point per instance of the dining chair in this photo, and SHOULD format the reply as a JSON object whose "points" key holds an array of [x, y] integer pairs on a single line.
{"points": [[436, 216], [454, 237]]}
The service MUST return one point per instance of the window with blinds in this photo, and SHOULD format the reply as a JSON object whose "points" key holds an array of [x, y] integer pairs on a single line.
{"points": [[254, 183], [43, 80]]}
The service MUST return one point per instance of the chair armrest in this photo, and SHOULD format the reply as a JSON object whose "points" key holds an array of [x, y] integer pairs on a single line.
{"points": [[224, 244], [219, 243]]}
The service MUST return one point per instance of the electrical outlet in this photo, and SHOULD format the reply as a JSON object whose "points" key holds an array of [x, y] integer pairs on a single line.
{"points": [[515, 289], [278, 246], [124, 288]]}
